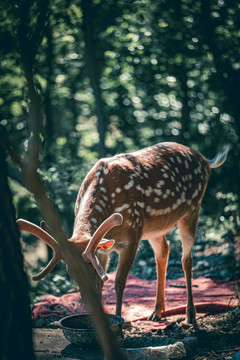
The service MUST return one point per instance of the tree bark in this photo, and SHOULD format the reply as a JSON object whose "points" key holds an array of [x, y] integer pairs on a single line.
{"points": [[29, 167], [16, 330], [92, 65]]}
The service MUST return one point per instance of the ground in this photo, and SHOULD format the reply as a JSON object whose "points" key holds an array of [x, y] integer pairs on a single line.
{"points": [[215, 337], [218, 336]]}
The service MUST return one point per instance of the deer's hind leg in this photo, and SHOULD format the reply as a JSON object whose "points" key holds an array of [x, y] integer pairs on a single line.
{"points": [[161, 252], [188, 227]]}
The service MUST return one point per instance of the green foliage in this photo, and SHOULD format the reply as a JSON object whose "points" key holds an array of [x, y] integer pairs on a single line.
{"points": [[163, 71]]}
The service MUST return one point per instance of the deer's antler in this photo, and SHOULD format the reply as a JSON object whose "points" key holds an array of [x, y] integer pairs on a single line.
{"points": [[89, 253], [31, 228]]}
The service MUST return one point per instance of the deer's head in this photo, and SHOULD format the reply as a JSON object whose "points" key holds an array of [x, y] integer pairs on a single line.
{"points": [[86, 247]]}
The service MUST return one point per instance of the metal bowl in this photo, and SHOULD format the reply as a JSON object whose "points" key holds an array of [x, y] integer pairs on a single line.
{"points": [[79, 329]]}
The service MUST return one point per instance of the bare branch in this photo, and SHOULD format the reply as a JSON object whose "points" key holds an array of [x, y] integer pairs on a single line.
{"points": [[29, 168]]}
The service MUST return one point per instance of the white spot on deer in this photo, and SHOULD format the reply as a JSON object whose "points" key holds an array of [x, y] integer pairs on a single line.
{"points": [[166, 167], [148, 209], [189, 202], [128, 222], [193, 208], [156, 200], [195, 194], [174, 206], [132, 176], [183, 197], [146, 175], [129, 185], [160, 183], [136, 212], [118, 190], [199, 186], [148, 191], [165, 175], [186, 164], [98, 173], [105, 198], [173, 193], [102, 203], [121, 208], [179, 201], [93, 220], [165, 196], [167, 210], [179, 160], [101, 180], [177, 170], [168, 191], [172, 178], [113, 195], [98, 208], [138, 187], [105, 171], [158, 191], [172, 159], [103, 189], [141, 204]]}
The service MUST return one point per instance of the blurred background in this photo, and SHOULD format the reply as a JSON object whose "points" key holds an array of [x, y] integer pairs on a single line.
{"points": [[116, 76]]}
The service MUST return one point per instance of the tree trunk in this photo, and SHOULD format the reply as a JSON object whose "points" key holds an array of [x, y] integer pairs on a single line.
{"points": [[16, 332], [92, 65], [185, 108]]}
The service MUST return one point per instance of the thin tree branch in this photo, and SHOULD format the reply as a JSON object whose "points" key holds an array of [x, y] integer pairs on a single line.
{"points": [[74, 261]]}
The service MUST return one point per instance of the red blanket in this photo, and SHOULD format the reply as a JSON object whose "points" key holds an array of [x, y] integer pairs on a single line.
{"points": [[138, 301]]}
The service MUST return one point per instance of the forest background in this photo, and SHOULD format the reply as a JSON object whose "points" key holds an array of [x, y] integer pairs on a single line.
{"points": [[116, 76]]}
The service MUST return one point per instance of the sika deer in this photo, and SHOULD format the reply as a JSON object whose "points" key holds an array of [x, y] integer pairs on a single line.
{"points": [[132, 197]]}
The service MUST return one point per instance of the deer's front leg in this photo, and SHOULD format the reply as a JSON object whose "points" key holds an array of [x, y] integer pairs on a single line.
{"points": [[126, 259], [161, 251]]}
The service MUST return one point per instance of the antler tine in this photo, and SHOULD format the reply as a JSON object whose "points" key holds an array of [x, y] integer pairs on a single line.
{"points": [[27, 226], [89, 253], [47, 268]]}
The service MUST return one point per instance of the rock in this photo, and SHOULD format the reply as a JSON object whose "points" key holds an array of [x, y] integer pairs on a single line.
{"points": [[174, 351]]}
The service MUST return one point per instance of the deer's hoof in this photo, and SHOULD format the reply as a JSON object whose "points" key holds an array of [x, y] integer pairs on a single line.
{"points": [[191, 320], [191, 316], [154, 317]]}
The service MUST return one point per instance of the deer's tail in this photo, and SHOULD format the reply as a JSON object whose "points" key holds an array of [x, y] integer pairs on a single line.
{"points": [[220, 158]]}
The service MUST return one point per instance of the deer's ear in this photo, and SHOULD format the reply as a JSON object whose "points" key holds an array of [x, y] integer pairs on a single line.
{"points": [[106, 244]]}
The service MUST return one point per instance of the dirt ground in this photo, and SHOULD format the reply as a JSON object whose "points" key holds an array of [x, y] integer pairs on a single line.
{"points": [[217, 336]]}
